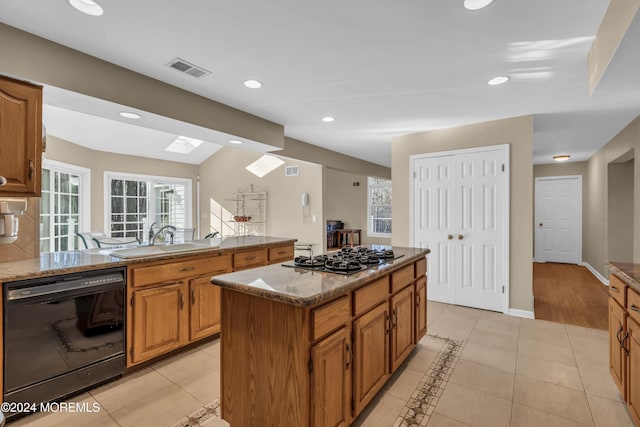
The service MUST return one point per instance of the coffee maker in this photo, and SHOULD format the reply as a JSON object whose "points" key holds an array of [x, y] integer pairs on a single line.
{"points": [[10, 209]]}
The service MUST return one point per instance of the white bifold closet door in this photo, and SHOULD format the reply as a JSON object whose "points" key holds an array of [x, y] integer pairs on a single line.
{"points": [[460, 213]]}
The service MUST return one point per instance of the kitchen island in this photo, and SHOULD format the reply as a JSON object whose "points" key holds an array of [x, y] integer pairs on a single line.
{"points": [[309, 348]]}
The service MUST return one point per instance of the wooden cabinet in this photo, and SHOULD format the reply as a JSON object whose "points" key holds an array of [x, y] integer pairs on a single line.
{"points": [[280, 254], [172, 304], [332, 359], [633, 370], [624, 343], [205, 308], [617, 356], [371, 353], [421, 308], [249, 259], [402, 326], [159, 321], [20, 137]]}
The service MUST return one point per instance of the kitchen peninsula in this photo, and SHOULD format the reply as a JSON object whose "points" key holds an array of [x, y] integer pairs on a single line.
{"points": [[308, 348]]}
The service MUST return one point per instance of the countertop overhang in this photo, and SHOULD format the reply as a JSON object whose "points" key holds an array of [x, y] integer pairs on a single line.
{"points": [[627, 272], [54, 263], [302, 287]]}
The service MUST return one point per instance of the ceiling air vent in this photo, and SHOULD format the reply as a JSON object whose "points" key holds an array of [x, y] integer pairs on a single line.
{"points": [[292, 170], [188, 68]]}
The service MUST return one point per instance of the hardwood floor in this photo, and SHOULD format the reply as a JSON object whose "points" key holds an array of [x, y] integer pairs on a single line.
{"points": [[568, 293]]}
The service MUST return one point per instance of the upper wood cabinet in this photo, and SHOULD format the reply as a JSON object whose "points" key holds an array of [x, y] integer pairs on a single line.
{"points": [[20, 137]]}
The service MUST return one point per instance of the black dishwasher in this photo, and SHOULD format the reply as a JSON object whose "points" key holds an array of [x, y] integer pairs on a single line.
{"points": [[63, 334]]}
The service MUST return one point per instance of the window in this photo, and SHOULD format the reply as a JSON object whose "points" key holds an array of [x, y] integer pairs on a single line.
{"points": [[64, 206], [134, 202], [379, 209]]}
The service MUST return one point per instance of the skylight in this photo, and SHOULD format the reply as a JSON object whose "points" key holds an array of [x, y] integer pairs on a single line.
{"points": [[183, 145], [264, 165]]}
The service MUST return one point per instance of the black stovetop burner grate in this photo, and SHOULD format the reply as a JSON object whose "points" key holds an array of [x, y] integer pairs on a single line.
{"points": [[345, 261]]}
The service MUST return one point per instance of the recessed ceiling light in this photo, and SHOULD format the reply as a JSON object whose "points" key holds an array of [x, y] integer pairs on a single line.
{"points": [[561, 158], [87, 6], [476, 4], [253, 84], [328, 119], [498, 80], [235, 141], [183, 145], [130, 115]]}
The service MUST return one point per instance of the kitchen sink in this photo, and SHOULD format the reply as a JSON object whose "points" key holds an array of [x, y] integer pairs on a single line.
{"points": [[155, 250]]}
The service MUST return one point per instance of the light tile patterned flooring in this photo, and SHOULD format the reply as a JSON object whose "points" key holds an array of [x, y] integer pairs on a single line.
{"points": [[512, 372]]}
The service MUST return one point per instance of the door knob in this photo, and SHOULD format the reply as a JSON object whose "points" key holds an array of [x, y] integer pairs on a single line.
{"points": [[460, 237], [540, 224], [450, 237]]}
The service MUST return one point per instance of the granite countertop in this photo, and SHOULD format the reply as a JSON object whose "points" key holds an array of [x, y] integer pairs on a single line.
{"points": [[297, 286], [627, 272], [54, 263]]}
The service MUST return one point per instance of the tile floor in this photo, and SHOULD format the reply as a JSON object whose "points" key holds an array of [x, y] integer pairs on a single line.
{"points": [[511, 372]]}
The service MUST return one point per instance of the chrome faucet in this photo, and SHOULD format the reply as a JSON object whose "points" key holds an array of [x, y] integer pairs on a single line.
{"points": [[167, 229]]}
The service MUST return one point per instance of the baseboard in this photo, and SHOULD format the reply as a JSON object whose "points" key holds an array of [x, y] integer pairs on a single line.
{"points": [[521, 313], [596, 273]]}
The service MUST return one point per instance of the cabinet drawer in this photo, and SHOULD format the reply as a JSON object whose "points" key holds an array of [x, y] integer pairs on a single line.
{"points": [[618, 290], [633, 304], [401, 278], [369, 296], [328, 317], [159, 273], [421, 267], [283, 253], [249, 259]]}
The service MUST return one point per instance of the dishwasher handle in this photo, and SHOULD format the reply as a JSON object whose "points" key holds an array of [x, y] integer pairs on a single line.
{"points": [[90, 284]]}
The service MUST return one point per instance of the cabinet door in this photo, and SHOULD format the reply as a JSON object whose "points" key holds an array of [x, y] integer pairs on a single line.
{"points": [[617, 328], [331, 380], [421, 308], [20, 137], [402, 326], [633, 370], [371, 355], [160, 320], [205, 308]]}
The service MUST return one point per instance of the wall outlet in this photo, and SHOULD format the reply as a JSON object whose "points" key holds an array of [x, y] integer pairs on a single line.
{"points": [[313, 218]]}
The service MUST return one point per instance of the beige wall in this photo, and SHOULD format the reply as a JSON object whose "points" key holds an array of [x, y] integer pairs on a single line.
{"points": [[518, 132], [348, 203], [224, 174], [312, 153], [597, 213], [30, 57], [620, 208], [565, 169], [100, 161]]}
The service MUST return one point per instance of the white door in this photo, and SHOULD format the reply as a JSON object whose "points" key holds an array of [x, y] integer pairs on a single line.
{"points": [[558, 219], [460, 212]]}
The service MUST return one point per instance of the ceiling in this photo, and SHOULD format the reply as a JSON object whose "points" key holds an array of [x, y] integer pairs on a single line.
{"points": [[381, 68]]}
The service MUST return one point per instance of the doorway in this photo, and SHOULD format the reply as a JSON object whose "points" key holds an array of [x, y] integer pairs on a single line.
{"points": [[558, 219], [460, 211], [620, 229]]}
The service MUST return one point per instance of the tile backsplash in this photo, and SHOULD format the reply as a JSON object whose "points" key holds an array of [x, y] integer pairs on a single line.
{"points": [[28, 244]]}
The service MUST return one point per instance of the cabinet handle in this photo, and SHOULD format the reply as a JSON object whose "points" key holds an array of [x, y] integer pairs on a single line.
{"points": [[193, 297], [181, 300], [387, 322], [31, 169], [418, 299], [624, 338], [3, 180], [188, 269], [350, 356], [618, 335], [450, 236], [614, 289], [635, 308], [395, 318], [282, 252], [460, 237], [249, 258]]}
